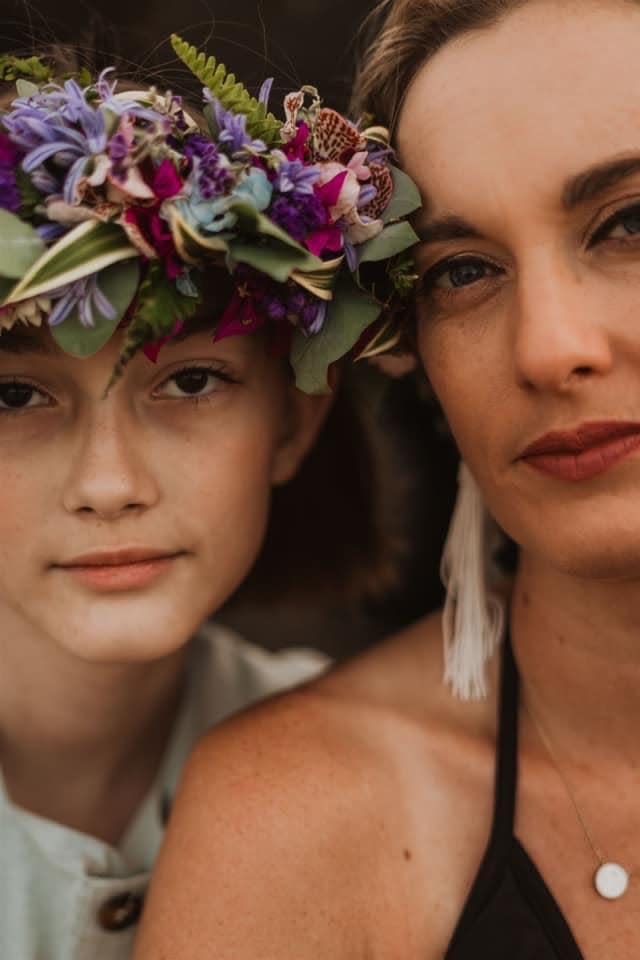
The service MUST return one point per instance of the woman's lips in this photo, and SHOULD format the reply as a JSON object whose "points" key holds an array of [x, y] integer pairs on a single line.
{"points": [[120, 570], [584, 453]]}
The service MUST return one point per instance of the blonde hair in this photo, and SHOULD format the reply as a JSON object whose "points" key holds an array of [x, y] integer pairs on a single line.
{"points": [[401, 35]]}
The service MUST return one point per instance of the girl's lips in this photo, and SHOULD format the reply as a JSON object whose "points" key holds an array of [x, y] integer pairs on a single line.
{"points": [[127, 570], [583, 453]]}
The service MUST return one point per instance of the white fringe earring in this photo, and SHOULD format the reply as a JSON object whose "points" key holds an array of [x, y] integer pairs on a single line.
{"points": [[472, 619]]}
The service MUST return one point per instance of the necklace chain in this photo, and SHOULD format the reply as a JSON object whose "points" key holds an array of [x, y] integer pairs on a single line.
{"points": [[597, 852]]}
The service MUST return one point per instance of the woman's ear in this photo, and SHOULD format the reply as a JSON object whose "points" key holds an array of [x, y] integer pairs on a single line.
{"points": [[304, 418]]}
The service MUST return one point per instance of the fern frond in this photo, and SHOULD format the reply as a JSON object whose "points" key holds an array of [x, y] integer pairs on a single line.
{"points": [[231, 94]]}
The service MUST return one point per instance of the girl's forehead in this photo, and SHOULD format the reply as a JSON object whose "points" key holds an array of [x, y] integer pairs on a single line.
{"points": [[549, 91]]}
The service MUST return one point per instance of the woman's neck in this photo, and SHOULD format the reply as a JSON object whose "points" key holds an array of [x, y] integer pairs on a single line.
{"points": [[81, 742], [577, 644]]}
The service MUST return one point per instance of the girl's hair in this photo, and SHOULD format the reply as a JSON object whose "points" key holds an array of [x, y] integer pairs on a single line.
{"points": [[401, 35], [326, 538]]}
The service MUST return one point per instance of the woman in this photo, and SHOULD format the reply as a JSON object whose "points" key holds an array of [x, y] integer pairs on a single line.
{"points": [[136, 489], [358, 818]]}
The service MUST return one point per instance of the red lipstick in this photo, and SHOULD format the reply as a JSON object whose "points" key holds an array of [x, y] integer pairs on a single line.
{"points": [[583, 453]]}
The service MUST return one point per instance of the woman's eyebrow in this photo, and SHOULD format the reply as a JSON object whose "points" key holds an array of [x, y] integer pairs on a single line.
{"points": [[586, 186], [447, 228]]}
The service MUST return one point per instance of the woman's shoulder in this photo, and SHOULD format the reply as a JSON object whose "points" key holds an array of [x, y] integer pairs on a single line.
{"points": [[310, 806]]}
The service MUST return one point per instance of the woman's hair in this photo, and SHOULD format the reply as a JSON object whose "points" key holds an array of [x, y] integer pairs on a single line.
{"points": [[401, 35]]}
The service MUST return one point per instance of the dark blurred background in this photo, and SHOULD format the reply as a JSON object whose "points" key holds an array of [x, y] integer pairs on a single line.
{"points": [[295, 41]]}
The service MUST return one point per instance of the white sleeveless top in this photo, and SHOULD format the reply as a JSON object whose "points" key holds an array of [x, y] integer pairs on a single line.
{"points": [[67, 896]]}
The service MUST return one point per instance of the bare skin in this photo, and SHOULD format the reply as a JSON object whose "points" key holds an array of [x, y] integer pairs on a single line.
{"points": [[350, 820], [179, 458]]}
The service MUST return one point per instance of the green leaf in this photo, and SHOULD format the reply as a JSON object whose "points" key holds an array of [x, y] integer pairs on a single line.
{"points": [[275, 252], [271, 258], [406, 197], [231, 94], [29, 196], [349, 316], [25, 88], [192, 246], [119, 283], [88, 248], [159, 307], [393, 240], [26, 68], [5, 288], [20, 246]]}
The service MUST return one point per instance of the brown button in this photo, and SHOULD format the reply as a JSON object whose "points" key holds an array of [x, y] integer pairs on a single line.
{"points": [[120, 912]]}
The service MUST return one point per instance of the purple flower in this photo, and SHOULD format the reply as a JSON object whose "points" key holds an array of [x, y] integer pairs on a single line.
{"points": [[211, 172], [232, 129], [294, 176], [298, 214], [86, 296], [10, 198]]}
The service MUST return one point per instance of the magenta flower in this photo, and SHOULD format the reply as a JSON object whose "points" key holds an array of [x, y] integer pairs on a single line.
{"points": [[9, 159], [297, 149], [152, 350], [240, 317]]}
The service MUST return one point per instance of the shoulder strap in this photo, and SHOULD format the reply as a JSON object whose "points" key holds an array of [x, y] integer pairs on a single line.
{"points": [[506, 776]]}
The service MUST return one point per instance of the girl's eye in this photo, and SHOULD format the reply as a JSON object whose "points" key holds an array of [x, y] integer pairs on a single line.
{"points": [[18, 395], [192, 382], [621, 226], [451, 275]]}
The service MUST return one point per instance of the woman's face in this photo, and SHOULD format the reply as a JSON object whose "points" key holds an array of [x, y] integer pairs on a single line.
{"points": [[126, 520], [525, 141]]}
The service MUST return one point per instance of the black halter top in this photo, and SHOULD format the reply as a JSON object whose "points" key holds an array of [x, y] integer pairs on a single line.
{"points": [[510, 913]]}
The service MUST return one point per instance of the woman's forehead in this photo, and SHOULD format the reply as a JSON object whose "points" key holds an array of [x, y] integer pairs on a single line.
{"points": [[547, 93]]}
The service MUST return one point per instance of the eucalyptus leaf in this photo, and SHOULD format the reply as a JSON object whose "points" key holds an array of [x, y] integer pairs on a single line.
{"points": [[349, 316], [406, 197], [20, 246], [118, 283], [88, 248], [393, 240]]}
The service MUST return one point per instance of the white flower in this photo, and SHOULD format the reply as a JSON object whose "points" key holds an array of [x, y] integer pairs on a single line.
{"points": [[30, 312]]}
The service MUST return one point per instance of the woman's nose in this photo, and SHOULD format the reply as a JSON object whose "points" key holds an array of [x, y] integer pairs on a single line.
{"points": [[109, 474], [561, 337]]}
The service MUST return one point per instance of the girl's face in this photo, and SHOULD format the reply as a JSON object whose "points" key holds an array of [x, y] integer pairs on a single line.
{"points": [[525, 141], [126, 520]]}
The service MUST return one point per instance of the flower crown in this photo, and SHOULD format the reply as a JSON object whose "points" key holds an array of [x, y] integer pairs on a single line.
{"points": [[113, 204]]}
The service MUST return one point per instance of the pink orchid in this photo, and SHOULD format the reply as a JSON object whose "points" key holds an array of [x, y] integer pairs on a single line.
{"points": [[358, 165], [344, 191]]}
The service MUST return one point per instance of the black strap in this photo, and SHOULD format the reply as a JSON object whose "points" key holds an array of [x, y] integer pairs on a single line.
{"points": [[506, 775]]}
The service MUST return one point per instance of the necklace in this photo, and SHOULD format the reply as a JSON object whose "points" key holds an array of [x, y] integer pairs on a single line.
{"points": [[611, 880]]}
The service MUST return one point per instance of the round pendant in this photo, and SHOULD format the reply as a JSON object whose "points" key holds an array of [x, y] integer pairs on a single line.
{"points": [[611, 881]]}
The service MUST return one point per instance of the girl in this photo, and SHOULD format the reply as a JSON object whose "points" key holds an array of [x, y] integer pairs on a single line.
{"points": [[358, 818], [136, 494]]}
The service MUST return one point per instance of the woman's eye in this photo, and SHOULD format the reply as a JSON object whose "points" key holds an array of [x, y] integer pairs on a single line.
{"points": [[18, 395], [455, 274], [621, 226], [191, 382]]}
